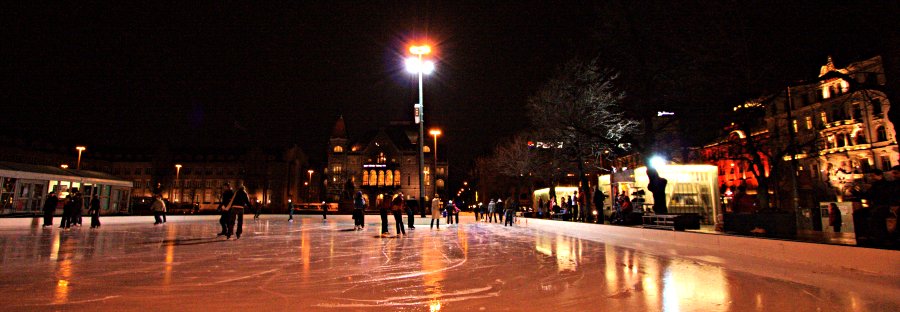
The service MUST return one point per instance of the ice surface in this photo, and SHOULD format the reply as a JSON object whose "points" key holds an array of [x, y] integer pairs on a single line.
{"points": [[312, 264]]}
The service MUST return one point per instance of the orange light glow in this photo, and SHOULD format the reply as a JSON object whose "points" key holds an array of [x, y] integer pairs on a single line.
{"points": [[420, 50]]}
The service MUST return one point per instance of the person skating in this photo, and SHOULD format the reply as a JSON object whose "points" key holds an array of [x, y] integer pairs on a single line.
{"points": [[68, 213], [499, 209], [158, 207], [490, 211], [227, 194], [509, 211], [94, 211], [359, 206], [436, 212], [50, 208], [411, 213], [258, 210], [78, 205], [324, 211], [383, 211], [239, 202], [290, 207], [397, 207]]}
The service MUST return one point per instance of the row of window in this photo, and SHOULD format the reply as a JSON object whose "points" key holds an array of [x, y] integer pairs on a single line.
{"points": [[837, 114], [184, 171]]}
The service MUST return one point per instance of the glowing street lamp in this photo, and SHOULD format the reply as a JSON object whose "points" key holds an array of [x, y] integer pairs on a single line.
{"points": [[64, 166], [177, 172], [80, 149], [309, 185], [435, 133], [417, 65]]}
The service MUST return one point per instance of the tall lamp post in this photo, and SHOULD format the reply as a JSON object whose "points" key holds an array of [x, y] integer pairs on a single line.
{"points": [[417, 65], [435, 133], [177, 173], [80, 149], [309, 186]]}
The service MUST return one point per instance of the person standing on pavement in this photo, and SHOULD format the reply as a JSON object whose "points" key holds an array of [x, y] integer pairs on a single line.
{"points": [[94, 211], [239, 202], [436, 212], [50, 208], [359, 208], [834, 217], [158, 208], [227, 194], [397, 207]]}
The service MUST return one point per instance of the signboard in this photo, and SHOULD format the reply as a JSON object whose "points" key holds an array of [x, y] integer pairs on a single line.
{"points": [[417, 111]]}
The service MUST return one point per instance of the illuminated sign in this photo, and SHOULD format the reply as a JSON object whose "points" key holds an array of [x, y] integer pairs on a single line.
{"points": [[664, 113], [375, 166]]}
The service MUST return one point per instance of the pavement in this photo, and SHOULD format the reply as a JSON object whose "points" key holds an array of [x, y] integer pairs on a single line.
{"points": [[313, 264]]}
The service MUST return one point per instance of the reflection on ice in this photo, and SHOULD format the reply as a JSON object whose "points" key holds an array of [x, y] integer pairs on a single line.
{"points": [[315, 265]]}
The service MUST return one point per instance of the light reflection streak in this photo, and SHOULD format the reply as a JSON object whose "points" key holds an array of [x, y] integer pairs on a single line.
{"points": [[171, 235], [681, 283], [565, 254], [304, 254], [63, 270], [433, 266]]}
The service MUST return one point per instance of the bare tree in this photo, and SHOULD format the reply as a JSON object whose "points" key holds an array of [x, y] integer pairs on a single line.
{"points": [[580, 109]]}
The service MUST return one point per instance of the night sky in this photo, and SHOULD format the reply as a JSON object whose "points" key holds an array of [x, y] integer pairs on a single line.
{"points": [[241, 74]]}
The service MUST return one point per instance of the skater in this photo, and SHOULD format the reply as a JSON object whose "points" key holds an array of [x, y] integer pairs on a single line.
{"points": [[456, 213], [290, 208], [599, 199], [94, 211], [239, 202], [477, 211], [448, 209], [382, 210], [50, 208], [78, 205], [158, 207], [490, 211], [509, 212], [227, 194], [359, 206], [324, 211], [411, 213], [498, 210], [68, 213], [436, 212], [397, 206], [258, 210]]}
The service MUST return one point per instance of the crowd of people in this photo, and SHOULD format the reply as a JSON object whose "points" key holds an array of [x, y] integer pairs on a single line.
{"points": [[73, 204]]}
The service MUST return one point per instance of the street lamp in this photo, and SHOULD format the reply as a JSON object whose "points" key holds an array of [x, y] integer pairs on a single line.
{"points": [[435, 133], [417, 65], [64, 166], [308, 193], [177, 172], [80, 149]]}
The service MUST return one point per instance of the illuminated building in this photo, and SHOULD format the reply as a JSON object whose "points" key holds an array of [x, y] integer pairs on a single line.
{"points": [[378, 162]]}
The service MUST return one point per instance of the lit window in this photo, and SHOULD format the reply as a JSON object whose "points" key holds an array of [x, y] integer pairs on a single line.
{"points": [[795, 125], [824, 117], [389, 178], [426, 149], [336, 169], [365, 180], [380, 178], [338, 149], [373, 178], [381, 158], [809, 124], [397, 177]]}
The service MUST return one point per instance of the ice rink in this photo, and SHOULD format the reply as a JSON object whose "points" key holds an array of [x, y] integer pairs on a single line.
{"points": [[310, 264]]}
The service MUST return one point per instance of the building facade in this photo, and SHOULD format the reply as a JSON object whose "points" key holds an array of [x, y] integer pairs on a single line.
{"points": [[380, 162], [841, 133]]}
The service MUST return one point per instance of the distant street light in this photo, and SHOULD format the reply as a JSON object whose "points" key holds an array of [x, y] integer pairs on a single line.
{"points": [[177, 172], [64, 166], [417, 65], [80, 149], [435, 133], [308, 187]]}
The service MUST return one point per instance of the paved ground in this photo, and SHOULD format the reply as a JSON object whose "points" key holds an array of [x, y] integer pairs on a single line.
{"points": [[313, 264]]}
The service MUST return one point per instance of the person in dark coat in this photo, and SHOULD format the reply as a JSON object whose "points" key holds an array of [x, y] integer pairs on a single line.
{"points": [[94, 211], [78, 206], [224, 214], [359, 211], [290, 207], [50, 208], [397, 207], [657, 186], [68, 213], [599, 199], [411, 213], [240, 202], [834, 217], [383, 211]]}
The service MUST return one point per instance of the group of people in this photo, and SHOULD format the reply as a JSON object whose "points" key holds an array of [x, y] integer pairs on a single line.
{"points": [[72, 209], [876, 224], [497, 210], [231, 211]]}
